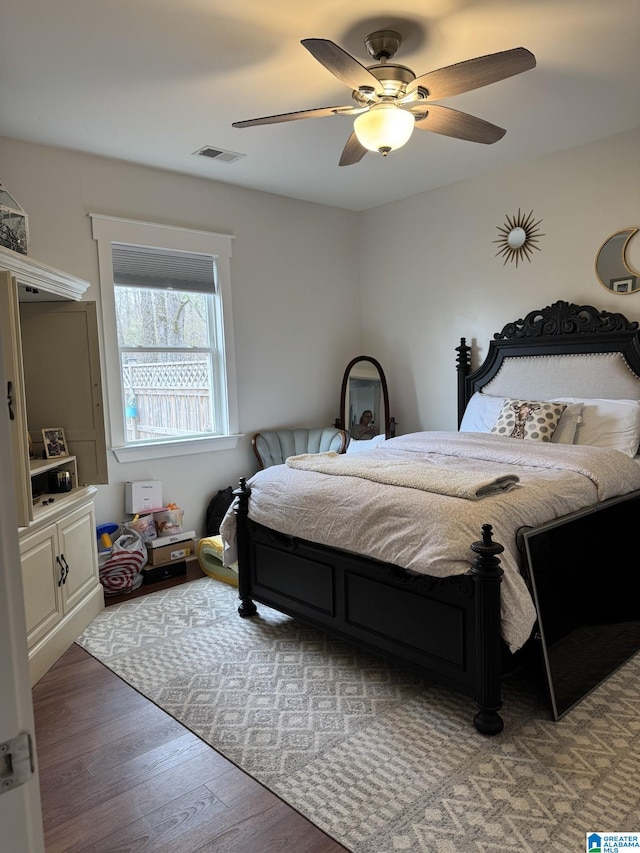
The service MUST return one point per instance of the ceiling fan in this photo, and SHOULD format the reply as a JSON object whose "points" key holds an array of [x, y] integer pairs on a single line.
{"points": [[390, 101]]}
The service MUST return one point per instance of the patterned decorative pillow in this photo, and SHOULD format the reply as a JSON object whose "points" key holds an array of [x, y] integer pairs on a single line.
{"points": [[529, 419]]}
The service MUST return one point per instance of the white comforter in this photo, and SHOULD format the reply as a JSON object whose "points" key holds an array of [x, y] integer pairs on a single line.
{"points": [[432, 533]]}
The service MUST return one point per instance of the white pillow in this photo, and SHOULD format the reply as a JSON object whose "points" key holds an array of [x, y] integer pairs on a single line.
{"points": [[365, 443], [609, 423], [566, 430], [483, 411]]}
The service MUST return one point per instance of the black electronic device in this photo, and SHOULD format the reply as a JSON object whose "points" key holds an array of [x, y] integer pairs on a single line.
{"points": [[588, 609]]}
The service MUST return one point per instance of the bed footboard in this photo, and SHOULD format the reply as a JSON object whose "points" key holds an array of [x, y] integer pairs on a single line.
{"points": [[448, 629]]}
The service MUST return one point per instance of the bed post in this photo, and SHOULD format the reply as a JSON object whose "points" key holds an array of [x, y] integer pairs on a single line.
{"points": [[247, 606], [487, 575], [463, 365]]}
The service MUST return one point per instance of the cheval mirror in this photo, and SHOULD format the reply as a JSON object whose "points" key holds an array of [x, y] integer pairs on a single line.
{"points": [[364, 401]]}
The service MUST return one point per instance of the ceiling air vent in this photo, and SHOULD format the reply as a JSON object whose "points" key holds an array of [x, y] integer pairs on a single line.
{"points": [[219, 154]]}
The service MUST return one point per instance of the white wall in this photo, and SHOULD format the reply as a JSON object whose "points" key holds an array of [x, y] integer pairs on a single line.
{"points": [[429, 274], [426, 268], [294, 280]]}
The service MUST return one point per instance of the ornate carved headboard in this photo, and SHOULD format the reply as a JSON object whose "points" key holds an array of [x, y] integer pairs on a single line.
{"points": [[569, 349]]}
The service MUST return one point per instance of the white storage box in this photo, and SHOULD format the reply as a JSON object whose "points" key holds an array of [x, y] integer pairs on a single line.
{"points": [[142, 495]]}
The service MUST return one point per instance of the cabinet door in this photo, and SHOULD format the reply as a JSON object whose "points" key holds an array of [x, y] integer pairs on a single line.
{"points": [[42, 581], [14, 387], [63, 381], [78, 551]]}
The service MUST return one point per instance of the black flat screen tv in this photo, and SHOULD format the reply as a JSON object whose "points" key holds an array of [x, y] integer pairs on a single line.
{"points": [[586, 588]]}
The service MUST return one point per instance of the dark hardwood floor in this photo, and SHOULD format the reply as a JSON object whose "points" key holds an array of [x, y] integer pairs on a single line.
{"points": [[119, 774]]}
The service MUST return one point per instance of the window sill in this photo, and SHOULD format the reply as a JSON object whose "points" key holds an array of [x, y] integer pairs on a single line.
{"points": [[167, 449]]}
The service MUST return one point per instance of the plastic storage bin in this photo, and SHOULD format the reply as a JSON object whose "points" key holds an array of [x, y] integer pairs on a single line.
{"points": [[145, 526], [168, 522]]}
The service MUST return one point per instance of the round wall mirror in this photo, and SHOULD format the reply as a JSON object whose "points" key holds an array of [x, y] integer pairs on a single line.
{"points": [[516, 238], [612, 268], [364, 401]]}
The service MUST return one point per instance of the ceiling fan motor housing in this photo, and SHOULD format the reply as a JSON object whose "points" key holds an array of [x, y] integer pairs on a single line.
{"points": [[394, 80], [383, 44]]}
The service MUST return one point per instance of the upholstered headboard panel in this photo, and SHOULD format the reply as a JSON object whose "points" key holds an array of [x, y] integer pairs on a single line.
{"points": [[548, 377]]}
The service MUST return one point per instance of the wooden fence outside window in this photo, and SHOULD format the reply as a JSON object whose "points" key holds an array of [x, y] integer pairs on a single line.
{"points": [[167, 399]]}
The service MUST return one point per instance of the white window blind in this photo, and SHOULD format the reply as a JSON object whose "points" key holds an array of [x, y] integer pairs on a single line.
{"points": [[142, 266]]}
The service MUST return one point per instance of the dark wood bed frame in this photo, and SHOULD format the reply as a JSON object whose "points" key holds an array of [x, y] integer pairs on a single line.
{"points": [[448, 629]]}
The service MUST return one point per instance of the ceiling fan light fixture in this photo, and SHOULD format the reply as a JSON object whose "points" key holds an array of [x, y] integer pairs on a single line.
{"points": [[384, 128]]}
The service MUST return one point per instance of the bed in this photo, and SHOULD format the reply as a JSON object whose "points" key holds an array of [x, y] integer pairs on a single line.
{"points": [[456, 584]]}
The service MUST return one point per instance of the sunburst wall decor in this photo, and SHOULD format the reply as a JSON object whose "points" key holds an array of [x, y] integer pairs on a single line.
{"points": [[518, 236]]}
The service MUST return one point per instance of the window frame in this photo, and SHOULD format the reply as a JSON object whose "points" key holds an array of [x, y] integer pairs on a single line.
{"points": [[108, 230]]}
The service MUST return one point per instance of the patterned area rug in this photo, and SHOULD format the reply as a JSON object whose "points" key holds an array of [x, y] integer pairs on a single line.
{"points": [[378, 758]]}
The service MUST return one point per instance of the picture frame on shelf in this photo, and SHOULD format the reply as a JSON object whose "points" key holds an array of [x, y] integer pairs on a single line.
{"points": [[55, 444]]}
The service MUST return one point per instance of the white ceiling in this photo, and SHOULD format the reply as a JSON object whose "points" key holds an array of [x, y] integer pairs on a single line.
{"points": [[152, 81]]}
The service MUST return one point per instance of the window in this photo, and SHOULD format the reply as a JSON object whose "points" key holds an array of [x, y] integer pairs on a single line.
{"points": [[166, 308], [167, 328]]}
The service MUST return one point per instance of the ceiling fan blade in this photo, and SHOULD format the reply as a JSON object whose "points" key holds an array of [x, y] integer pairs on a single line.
{"points": [[353, 151], [474, 73], [317, 113], [342, 65], [450, 122]]}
